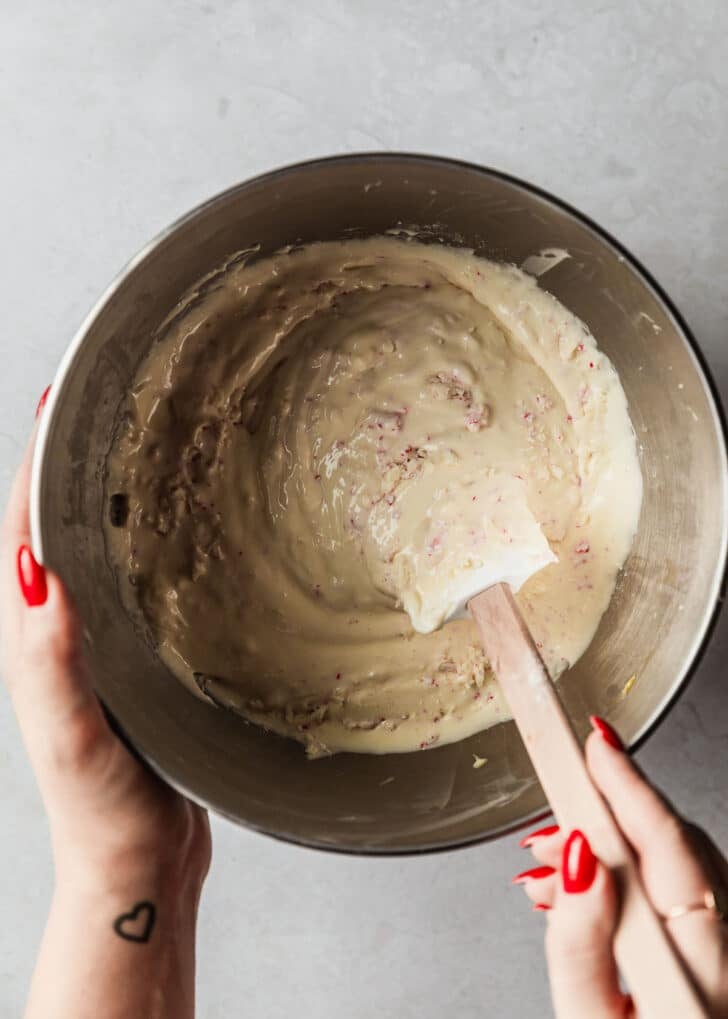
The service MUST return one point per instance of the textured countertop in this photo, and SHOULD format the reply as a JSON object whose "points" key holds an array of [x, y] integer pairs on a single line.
{"points": [[116, 118]]}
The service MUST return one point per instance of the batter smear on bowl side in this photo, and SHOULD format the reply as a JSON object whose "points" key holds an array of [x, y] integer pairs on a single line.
{"points": [[316, 449]]}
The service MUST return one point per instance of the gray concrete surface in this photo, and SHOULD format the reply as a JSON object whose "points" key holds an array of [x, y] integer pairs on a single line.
{"points": [[116, 118]]}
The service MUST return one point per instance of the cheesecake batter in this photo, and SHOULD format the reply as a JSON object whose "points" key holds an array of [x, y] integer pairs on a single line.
{"points": [[317, 450]]}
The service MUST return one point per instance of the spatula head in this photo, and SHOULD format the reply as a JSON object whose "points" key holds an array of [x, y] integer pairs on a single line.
{"points": [[476, 532]]}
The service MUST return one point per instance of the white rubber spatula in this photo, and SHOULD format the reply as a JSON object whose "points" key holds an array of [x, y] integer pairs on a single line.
{"points": [[644, 951], [488, 541]]}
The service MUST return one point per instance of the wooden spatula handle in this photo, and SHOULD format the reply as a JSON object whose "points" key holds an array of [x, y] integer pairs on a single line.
{"points": [[645, 954]]}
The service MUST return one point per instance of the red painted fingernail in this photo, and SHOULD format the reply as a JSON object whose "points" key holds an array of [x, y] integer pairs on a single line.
{"points": [[606, 732], [541, 907], [41, 402], [32, 577], [533, 874], [541, 833], [578, 863]]}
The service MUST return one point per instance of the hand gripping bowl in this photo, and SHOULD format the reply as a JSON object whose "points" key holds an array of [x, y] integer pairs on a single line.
{"points": [[666, 597]]}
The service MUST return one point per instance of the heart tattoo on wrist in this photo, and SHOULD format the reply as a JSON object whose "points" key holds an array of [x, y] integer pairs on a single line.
{"points": [[137, 924]]}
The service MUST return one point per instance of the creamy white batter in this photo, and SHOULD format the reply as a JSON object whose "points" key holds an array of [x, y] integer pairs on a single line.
{"points": [[328, 437]]}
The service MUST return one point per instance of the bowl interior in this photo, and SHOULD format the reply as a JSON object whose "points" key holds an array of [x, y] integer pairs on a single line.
{"points": [[665, 597]]}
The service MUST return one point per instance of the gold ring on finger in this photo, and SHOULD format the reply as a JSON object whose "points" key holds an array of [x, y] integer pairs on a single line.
{"points": [[709, 902]]}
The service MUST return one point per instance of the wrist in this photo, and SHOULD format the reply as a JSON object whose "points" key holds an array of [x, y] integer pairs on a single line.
{"points": [[118, 944], [128, 875], [123, 872], [118, 860], [139, 906]]}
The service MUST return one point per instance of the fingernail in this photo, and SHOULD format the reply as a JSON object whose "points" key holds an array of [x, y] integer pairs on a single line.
{"points": [[540, 833], [32, 577], [606, 732], [41, 402], [578, 863], [533, 874], [541, 907]]}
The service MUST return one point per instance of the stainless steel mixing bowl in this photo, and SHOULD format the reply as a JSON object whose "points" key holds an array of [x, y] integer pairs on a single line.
{"points": [[665, 600]]}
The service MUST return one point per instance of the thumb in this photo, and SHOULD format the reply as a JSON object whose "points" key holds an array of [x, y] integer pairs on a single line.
{"points": [[62, 722], [582, 970]]}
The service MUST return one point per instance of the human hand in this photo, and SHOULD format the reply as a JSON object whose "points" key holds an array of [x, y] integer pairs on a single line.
{"points": [[130, 853], [108, 814], [678, 864]]}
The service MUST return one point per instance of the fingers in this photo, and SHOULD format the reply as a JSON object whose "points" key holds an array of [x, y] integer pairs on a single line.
{"points": [[16, 527], [670, 869], [16, 523], [546, 845], [15, 533], [61, 720], [677, 866], [539, 884], [582, 971], [579, 898]]}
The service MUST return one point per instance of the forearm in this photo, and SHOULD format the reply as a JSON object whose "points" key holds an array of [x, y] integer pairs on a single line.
{"points": [[113, 951]]}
